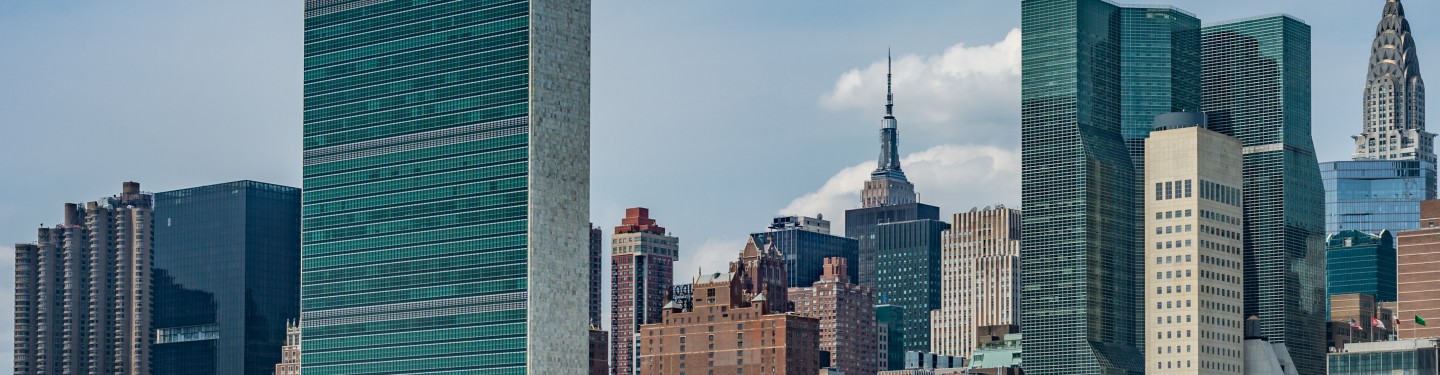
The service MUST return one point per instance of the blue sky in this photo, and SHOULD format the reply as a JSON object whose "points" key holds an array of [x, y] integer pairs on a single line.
{"points": [[717, 115]]}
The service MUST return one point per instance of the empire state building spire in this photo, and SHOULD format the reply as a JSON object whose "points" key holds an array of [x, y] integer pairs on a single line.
{"points": [[888, 185], [1394, 111]]}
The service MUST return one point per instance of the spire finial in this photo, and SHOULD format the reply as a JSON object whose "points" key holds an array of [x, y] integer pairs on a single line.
{"points": [[889, 94]]}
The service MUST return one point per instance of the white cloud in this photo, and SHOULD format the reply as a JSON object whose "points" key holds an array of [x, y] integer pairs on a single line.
{"points": [[953, 177], [964, 95], [713, 255]]}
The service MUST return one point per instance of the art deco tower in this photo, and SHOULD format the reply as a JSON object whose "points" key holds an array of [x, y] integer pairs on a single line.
{"points": [[1394, 95], [887, 197], [887, 185]]}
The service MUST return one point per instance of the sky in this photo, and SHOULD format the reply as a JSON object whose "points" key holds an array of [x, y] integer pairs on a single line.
{"points": [[716, 115]]}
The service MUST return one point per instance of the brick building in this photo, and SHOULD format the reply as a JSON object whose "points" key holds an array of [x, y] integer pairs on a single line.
{"points": [[728, 331], [1418, 251], [847, 318]]}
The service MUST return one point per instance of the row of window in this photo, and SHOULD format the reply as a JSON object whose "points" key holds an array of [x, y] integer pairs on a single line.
{"points": [[1173, 189]]}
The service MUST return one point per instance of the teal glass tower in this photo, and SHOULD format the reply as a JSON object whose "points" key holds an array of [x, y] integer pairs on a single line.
{"points": [[1360, 263], [907, 260], [445, 208], [1257, 89], [1078, 243], [1159, 73]]}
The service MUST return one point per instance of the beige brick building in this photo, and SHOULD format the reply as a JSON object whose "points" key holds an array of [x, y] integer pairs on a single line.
{"points": [[1193, 259], [979, 278]]}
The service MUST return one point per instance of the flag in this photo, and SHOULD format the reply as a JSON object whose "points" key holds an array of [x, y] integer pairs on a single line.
{"points": [[1375, 322], [1355, 325], [1419, 320]]}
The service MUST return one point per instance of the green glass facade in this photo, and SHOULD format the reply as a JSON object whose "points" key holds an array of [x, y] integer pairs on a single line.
{"points": [[1078, 243], [907, 260], [1361, 263], [1257, 89], [1159, 73], [446, 161], [892, 321]]}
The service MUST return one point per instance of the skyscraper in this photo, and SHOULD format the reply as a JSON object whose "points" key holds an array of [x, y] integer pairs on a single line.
{"points": [[1078, 235], [847, 317], [887, 185], [979, 278], [642, 261], [1257, 89], [1193, 210], [907, 261], [887, 197], [1394, 166], [1159, 73], [806, 242], [1394, 97], [446, 149], [227, 277], [81, 305]]}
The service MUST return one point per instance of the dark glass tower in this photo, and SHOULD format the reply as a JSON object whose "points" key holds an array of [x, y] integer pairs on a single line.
{"points": [[1078, 242], [446, 164], [908, 274], [805, 249], [1257, 89], [1361, 263], [227, 277], [1159, 73]]}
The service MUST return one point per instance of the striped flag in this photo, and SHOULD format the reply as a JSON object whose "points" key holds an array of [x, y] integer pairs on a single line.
{"points": [[1375, 322], [1355, 325]]}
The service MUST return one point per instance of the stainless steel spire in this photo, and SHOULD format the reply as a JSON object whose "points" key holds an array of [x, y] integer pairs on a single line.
{"points": [[888, 185], [1394, 105]]}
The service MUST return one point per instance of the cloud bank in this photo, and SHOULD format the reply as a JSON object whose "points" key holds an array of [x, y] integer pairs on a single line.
{"points": [[965, 100], [953, 177], [965, 94]]}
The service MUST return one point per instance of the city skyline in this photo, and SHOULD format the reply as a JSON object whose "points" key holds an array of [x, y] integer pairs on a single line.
{"points": [[850, 144]]}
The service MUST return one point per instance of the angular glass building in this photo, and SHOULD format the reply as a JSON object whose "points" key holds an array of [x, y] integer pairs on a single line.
{"points": [[1159, 73], [1257, 89], [1078, 249], [1376, 195], [446, 164], [227, 277]]}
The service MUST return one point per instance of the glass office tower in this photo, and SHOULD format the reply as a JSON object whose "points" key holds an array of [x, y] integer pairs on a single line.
{"points": [[1159, 73], [227, 277], [1078, 238], [1361, 263], [807, 247], [1376, 195], [1257, 88], [907, 260], [446, 164]]}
